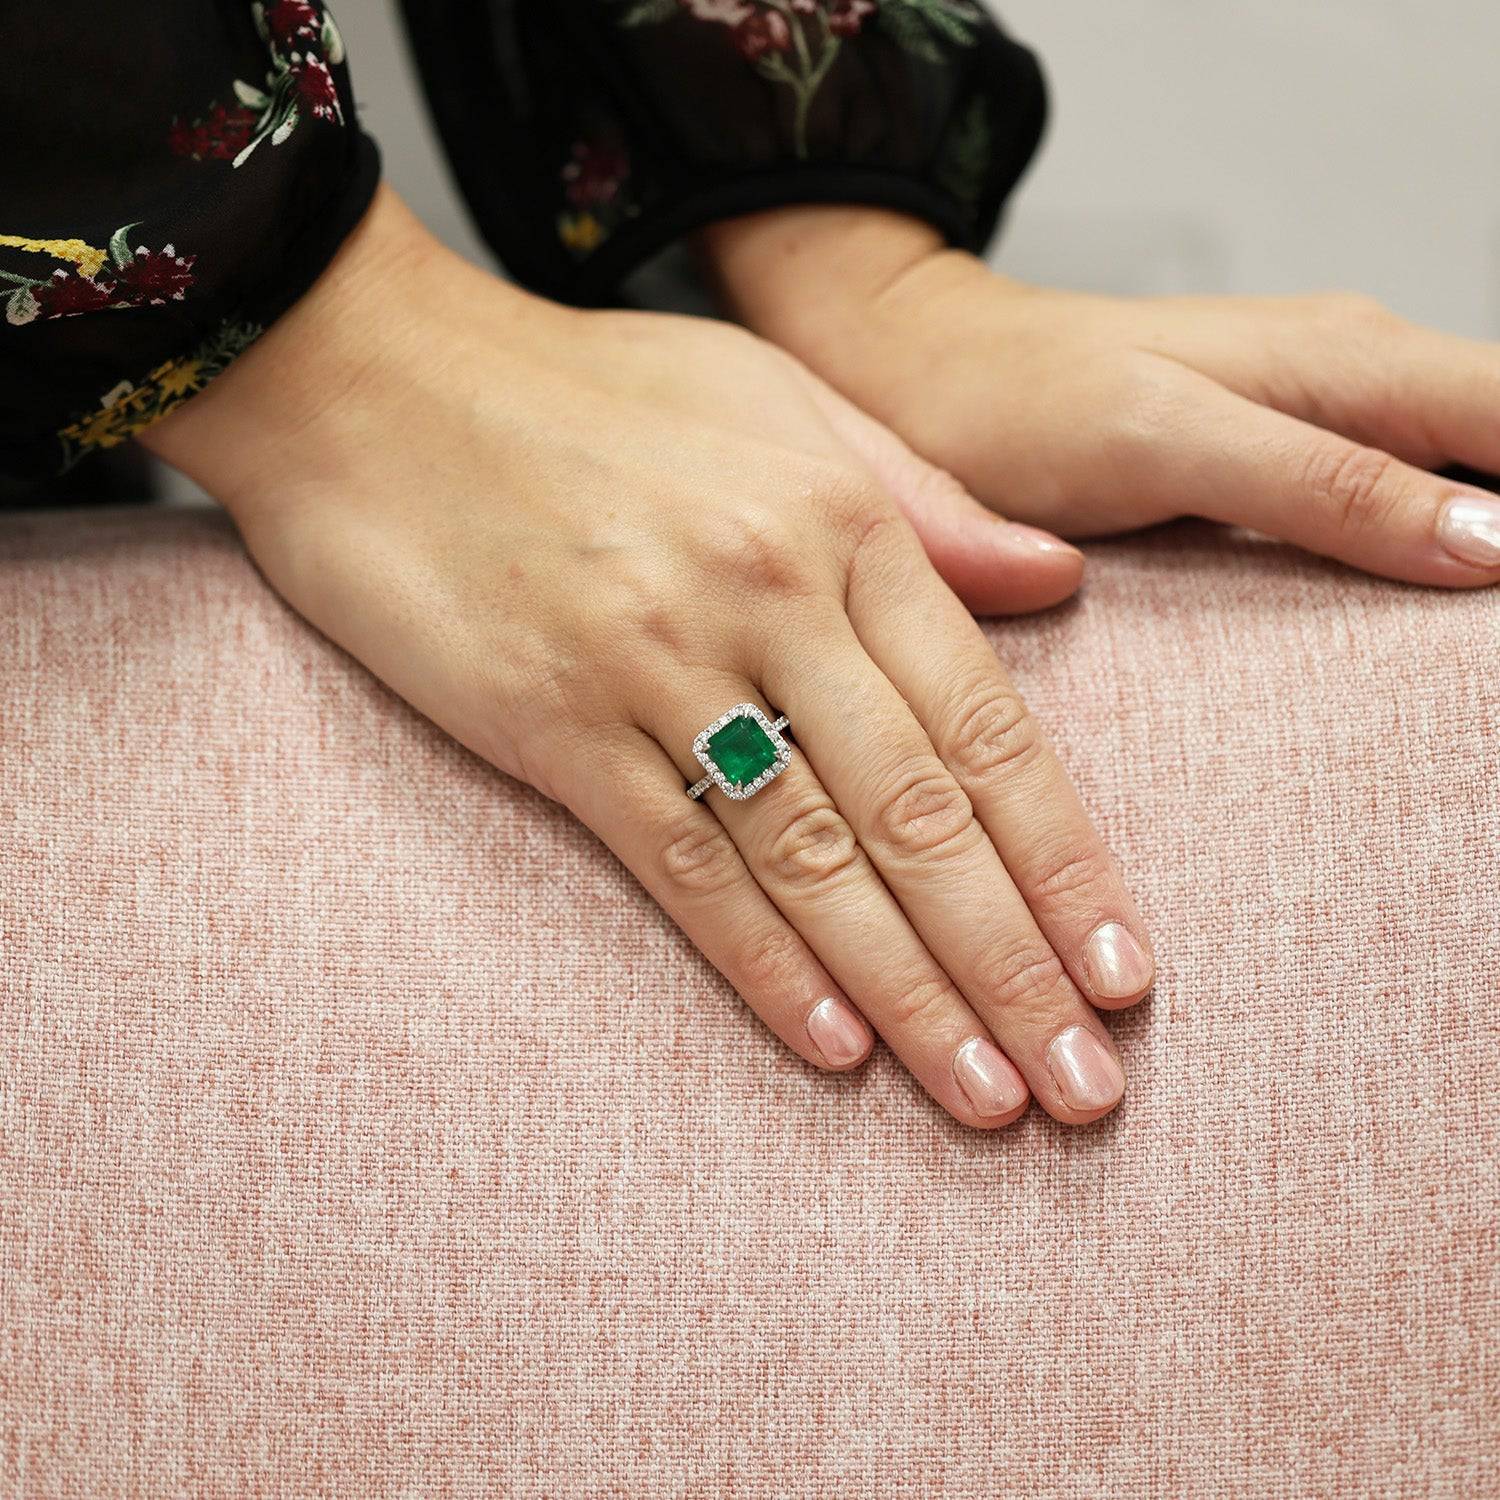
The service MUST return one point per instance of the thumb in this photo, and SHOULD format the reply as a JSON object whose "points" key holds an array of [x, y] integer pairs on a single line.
{"points": [[997, 567]]}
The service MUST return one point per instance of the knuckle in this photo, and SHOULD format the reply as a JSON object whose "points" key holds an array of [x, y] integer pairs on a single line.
{"points": [[759, 550], [922, 1004], [699, 859], [1144, 410], [1071, 874], [1354, 484], [767, 962], [813, 848], [1021, 979], [993, 731], [926, 814], [1357, 308], [861, 519]]}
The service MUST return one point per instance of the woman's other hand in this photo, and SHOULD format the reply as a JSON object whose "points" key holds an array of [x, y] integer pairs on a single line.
{"points": [[574, 539], [1312, 418]]}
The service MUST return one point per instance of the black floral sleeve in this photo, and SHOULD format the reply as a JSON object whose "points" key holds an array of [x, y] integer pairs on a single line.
{"points": [[175, 175], [588, 134]]}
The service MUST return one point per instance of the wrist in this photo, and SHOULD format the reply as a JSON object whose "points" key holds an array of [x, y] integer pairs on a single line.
{"points": [[312, 395], [767, 265]]}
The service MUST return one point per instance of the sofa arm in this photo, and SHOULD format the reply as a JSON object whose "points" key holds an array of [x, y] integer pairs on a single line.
{"points": [[365, 1130]]}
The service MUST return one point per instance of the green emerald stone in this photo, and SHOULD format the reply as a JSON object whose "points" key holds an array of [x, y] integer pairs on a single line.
{"points": [[741, 750]]}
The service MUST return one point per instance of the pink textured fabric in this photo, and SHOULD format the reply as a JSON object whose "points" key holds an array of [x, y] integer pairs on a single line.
{"points": [[366, 1131]]}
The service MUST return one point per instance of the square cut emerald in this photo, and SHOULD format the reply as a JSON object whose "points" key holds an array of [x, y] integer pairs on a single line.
{"points": [[741, 750]]}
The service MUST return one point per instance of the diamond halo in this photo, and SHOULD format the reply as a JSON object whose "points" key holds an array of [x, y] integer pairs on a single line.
{"points": [[716, 777]]}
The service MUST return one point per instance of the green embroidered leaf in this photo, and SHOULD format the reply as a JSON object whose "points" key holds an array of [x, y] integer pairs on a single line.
{"points": [[248, 94], [965, 155], [953, 20], [649, 12], [258, 13], [16, 280], [907, 31], [119, 246], [333, 42], [21, 306]]}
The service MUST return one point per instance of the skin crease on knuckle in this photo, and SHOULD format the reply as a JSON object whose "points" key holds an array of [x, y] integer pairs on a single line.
{"points": [[1069, 875], [1023, 981], [698, 858], [769, 963], [1354, 485], [923, 815], [992, 732], [813, 850]]}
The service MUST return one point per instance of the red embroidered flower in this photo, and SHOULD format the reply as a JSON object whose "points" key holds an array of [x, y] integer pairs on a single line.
{"points": [[156, 276], [596, 173], [69, 293], [315, 89], [845, 17], [766, 31], [219, 135], [289, 21]]}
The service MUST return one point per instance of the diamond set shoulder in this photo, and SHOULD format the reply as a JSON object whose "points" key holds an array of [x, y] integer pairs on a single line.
{"points": [[741, 751]]}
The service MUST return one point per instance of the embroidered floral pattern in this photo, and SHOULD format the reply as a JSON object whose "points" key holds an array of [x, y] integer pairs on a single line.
{"points": [[130, 406], [303, 42], [595, 178], [97, 279], [794, 43]]}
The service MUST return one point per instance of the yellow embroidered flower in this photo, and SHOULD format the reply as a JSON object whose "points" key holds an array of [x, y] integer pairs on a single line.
{"points": [[178, 377], [580, 232], [88, 260], [101, 429], [137, 400]]}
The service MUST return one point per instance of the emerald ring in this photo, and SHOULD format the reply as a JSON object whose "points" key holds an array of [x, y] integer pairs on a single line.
{"points": [[741, 751]]}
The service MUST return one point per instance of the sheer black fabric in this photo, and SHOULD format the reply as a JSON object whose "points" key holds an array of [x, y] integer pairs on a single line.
{"points": [[587, 134], [174, 176]]}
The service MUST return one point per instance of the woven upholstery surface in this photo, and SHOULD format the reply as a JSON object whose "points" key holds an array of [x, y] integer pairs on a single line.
{"points": [[366, 1131]]}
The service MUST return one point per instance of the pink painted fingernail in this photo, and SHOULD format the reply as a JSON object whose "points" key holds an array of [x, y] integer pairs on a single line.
{"points": [[1117, 965], [988, 1077], [839, 1032], [1038, 540], [1087, 1076], [1469, 527]]}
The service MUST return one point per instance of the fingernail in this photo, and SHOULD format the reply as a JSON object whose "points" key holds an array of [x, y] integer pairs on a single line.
{"points": [[1038, 540], [1470, 529], [988, 1077], [838, 1032], [1117, 965], [1087, 1076]]}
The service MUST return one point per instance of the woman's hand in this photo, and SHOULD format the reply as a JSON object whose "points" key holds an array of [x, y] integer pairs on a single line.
{"points": [[574, 539], [1311, 418]]}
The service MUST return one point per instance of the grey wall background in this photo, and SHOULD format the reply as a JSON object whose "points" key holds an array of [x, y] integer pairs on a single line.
{"points": [[1194, 146]]}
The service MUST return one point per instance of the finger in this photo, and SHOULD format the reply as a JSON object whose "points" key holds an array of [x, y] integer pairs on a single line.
{"points": [[939, 660], [918, 826], [633, 797], [1346, 363], [997, 567], [806, 859], [1236, 461]]}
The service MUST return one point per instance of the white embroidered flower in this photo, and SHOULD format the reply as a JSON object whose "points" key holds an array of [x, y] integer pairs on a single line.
{"points": [[725, 12]]}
